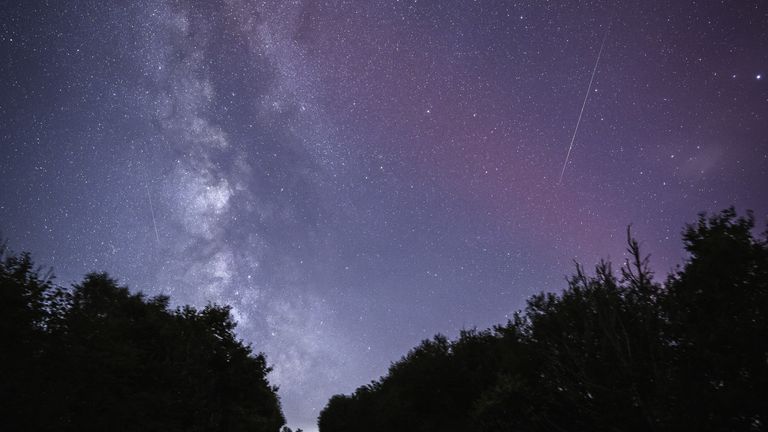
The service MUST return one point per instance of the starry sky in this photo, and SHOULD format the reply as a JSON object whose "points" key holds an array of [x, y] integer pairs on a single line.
{"points": [[355, 176]]}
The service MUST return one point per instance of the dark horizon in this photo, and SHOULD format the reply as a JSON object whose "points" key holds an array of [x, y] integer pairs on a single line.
{"points": [[354, 178]]}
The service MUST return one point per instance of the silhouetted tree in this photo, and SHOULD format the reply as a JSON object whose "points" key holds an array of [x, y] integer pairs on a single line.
{"points": [[98, 357], [717, 306], [29, 308], [610, 353]]}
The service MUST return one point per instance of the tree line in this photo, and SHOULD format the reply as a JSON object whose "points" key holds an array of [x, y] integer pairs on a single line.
{"points": [[615, 351], [96, 357]]}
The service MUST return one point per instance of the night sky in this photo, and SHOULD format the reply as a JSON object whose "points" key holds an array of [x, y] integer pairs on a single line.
{"points": [[354, 177]]}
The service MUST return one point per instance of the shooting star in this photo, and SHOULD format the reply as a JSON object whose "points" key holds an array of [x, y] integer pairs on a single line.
{"points": [[152, 211], [584, 104]]}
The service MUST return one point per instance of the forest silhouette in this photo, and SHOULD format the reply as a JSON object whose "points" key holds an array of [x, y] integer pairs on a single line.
{"points": [[614, 351], [99, 358]]}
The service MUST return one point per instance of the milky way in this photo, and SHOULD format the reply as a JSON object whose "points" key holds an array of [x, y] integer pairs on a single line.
{"points": [[353, 177]]}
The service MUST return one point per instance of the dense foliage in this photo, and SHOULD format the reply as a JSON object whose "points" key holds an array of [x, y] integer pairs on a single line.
{"points": [[97, 357], [611, 352]]}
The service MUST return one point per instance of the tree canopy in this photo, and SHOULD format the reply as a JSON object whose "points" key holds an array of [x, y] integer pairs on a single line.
{"points": [[98, 357], [612, 352]]}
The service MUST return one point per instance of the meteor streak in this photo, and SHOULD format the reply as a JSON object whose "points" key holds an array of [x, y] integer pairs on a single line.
{"points": [[152, 211], [584, 104]]}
